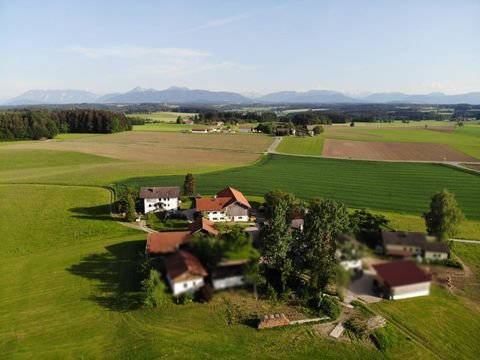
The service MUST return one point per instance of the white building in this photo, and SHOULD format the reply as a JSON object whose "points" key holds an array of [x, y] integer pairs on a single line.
{"points": [[227, 205], [160, 198], [401, 280], [185, 273]]}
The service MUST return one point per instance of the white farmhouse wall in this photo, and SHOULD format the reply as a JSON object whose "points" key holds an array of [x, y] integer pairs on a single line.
{"points": [[220, 216], [225, 283], [433, 255], [409, 291], [168, 204], [185, 286]]}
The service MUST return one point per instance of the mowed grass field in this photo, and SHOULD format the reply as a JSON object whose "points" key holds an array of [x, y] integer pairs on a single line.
{"points": [[69, 289], [301, 145], [165, 116], [104, 159]]}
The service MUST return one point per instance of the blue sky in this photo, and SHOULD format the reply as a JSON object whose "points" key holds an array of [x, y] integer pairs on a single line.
{"points": [[353, 46]]}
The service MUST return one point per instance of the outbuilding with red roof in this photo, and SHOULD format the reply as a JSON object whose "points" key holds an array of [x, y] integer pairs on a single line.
{"points": [[227, 205], [401, 280]]}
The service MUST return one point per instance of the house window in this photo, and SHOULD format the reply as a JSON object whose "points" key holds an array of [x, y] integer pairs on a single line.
{"points": [[215, 219], [185, 285], [194, 283]]}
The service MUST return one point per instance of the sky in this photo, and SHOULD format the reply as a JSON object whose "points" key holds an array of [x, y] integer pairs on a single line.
{"points": [[353, 46]]}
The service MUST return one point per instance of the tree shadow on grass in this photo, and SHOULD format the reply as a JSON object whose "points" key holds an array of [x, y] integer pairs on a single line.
{"points": [[99, 212], [116, 274]]}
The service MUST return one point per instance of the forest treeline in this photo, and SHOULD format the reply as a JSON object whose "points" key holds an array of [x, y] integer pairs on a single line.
{"points": [[38, 124]]}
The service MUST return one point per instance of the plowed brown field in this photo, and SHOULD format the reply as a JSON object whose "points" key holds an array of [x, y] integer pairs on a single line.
{"points": [[370, 150]]}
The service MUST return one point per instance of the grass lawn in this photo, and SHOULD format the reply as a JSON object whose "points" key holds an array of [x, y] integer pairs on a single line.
{"points": [[441, 321], [470, 255], [166, 127], [396, 187], [166, 116], [301, 145]]}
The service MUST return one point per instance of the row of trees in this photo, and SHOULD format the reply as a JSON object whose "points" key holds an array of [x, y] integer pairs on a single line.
{"points": [[233, 117], [37, 124]]}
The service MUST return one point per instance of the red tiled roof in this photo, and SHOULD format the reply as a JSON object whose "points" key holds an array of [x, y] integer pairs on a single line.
{"points": [[202, 224], [167, 242], [183, 262], [235, 194], [399, 273], [212, 204]]}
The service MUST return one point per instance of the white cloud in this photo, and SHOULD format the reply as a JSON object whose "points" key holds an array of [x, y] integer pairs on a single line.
{"points": [[134, 52], [218, 22]]}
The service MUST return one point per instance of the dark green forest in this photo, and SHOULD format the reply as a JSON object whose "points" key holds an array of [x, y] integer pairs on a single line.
{"points": [[38, 124]]}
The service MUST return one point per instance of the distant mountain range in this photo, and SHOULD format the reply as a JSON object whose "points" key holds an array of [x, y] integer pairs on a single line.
{"points": [[182, 95]]}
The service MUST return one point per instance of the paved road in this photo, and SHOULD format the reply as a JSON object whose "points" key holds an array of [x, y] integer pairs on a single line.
{"points": [[466, 241]]}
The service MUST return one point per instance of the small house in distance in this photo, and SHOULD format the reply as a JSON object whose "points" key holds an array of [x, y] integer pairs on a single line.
{"points": [[227, 205], [185, 273], [401, 280], [436, 251], [160, 198]]}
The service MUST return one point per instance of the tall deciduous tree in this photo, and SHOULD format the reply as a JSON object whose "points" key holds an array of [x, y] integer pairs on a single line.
{"points": [[189, 185], [325, 220], [277, 240], [131, 212], [444, 216]]}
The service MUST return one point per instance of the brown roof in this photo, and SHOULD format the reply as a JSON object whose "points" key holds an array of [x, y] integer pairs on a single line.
{"points": [[202, 224], [436, 247], [399, 273], [403, 238], [212, 204], [167, 241], [235, 194], [155, 192], [297, 223], [184, 263]]}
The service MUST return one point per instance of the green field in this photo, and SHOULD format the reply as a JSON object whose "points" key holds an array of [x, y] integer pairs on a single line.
{"points": [[168, 127], [441, 321], [470, 255], [301, 145], [396, 187], [165, 116]]}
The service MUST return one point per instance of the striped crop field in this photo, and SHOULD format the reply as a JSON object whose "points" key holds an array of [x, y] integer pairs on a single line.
{"points": [[397, 187]]}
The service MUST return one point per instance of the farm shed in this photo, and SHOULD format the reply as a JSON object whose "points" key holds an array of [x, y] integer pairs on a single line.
{"points": [[161, 243], [227, 276], [401, 280], [185, 272]]}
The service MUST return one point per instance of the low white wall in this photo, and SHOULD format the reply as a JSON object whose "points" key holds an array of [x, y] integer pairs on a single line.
{"points": [[225, 283]]}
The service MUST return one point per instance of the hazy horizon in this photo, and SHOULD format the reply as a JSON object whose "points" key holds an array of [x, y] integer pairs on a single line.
{"points": [[353, 47]]}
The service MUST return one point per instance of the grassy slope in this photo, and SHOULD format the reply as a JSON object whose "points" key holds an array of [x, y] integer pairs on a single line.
{"points": [[396, 187], [72, 292], [442, 321], [470, 254], [167, 127]]}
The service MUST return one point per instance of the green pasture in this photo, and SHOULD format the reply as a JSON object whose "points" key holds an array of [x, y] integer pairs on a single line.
{"points": [[301, 145], [470, 255], [445, 323], [167, 127]]}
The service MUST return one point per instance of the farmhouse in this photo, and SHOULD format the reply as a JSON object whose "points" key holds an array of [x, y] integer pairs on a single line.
{"points": [[200, 130], [400, 243], [161, 243], [435, 251], [184, 271], [401, 280], [244, 129], [160, 198], [227, 205], [202, 225], [227, 276], [406, 244]]}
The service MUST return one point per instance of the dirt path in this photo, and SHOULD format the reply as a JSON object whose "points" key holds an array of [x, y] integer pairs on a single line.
{"points": [[272, 149]]}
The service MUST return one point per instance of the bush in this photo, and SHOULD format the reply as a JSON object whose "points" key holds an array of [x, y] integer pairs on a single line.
{"points": [[386, 338], [358, 326], [451, 262], [271, 293], [330, 306], [318, 130], [206, 293], [186, 298], [155, 289]]}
